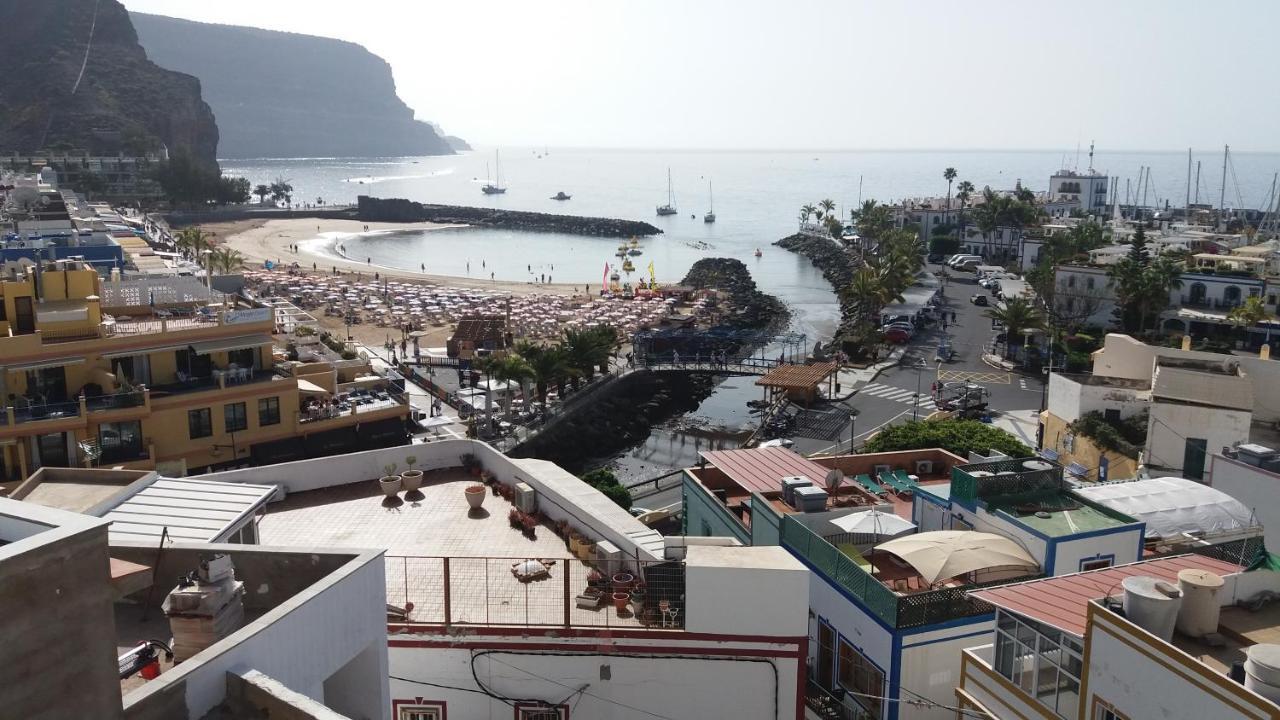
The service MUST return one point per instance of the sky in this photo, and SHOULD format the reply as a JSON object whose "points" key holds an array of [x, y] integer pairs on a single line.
{"points": [[811, 74]]}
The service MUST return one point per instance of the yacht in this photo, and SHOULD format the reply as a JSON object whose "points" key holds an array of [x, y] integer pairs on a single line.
{"points": [[494, 188], [561, 196], [710, 217], [670, 207]]}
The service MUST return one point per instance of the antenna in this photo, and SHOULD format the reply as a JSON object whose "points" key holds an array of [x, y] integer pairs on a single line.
{"points": [[1090, 157]]}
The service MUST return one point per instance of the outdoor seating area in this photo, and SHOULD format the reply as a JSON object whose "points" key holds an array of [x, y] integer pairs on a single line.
{"points": [[323, 408]]}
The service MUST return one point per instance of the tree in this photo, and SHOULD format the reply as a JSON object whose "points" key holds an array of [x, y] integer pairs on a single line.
{"points": [[510, 368], [828, 206], [1016, 315], [1248, 314], [548, 364], [225, 261], [262, 191], [964, 191], [872, 220], [280, 189], [586, 350], [1142, 286], [949, 175], [961, 437], [232, 191], [192, 242], [604, 480], [807, 212]]}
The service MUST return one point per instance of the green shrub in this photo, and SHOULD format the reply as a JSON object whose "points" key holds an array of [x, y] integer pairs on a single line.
{"points": [[604, 480], [957, 436], [1125, 437]]}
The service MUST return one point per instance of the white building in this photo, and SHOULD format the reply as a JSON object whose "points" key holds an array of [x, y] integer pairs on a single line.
{"points": [[1250, 473], [1089, 189], [1064, 647], [704, 629]]}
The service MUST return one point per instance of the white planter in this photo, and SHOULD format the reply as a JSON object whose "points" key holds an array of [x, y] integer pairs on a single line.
{"points": [[411, 480], [390, 485]]}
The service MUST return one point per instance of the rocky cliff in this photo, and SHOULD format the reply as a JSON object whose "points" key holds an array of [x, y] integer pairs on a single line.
{"points": [[73, 76], [280, 94]]}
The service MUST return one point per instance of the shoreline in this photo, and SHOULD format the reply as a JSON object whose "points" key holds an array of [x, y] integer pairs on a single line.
{"points": [[260, 239]]}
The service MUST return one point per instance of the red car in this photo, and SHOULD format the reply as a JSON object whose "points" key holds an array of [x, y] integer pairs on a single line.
{"points": [[897, 336]]}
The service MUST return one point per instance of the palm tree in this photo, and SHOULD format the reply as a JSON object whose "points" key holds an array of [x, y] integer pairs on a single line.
{"points": [[1248, 314], [193, 241], [510, 368], [225, 261], [806, 212], [964, 191], [262, 191], [828, 206], [486, 365], [949, 175], [548, 365], [1016, 315], [586, 350]]}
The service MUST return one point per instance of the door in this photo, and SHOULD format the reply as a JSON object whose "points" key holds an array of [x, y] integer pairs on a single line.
{"points": [[51, 450], [826, 656], [1193, 458], [24, 321]]}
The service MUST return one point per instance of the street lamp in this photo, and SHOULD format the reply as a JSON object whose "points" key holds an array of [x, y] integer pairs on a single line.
{"points": [[853, 426], [1026, 345], [915, 409]]}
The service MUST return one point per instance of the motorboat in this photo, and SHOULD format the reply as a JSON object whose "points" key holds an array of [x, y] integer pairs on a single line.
{"points": [[758, 253], [627, 266], [561, 196], [635, 251]]}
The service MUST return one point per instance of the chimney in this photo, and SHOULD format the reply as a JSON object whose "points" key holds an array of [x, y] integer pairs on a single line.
{"points": [[1186, 342]]}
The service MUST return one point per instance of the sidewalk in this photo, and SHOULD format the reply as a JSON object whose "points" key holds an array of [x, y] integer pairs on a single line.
{"points": [[853, 377]]}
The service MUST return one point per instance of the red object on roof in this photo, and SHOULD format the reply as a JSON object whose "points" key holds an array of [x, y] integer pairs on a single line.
{"points": [[762, 469], [1063, 601]]}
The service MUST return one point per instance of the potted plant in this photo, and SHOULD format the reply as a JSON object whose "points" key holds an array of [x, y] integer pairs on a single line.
{"points": [[586, 549], [530, 524], [411, 478], [620, 600], [623, 581], [475, 496], [390, 483], [513, 517], [637, 602]]}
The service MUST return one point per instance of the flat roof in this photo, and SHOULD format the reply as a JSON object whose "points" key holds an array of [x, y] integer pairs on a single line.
{"points": [[798, 377], [1203, 388], [762, 469], [1062, 601], [192, 510], [1055, 513]]}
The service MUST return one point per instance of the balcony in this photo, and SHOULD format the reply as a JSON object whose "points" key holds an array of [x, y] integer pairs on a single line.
{"points": [[218, 380], [829, 705], [353, 403], [116, 401], [37, 412], [1198, 301]]}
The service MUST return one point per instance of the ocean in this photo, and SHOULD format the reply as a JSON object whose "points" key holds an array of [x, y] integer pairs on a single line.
{"points": [[757, 197]]}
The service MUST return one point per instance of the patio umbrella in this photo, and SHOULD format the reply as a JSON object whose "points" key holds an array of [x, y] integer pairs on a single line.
{"points": [[946, 553], [873, 522]]}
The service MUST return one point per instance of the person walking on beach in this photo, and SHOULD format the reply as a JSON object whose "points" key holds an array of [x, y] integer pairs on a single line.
{"points": [[491, 276]]}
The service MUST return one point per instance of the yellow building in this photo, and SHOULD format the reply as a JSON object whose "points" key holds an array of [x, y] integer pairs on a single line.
{"points": [[151, 373]]}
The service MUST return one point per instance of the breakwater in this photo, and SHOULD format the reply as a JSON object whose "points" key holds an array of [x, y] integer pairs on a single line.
{"points": [[752, 309], [835, 263], [371, 209]]}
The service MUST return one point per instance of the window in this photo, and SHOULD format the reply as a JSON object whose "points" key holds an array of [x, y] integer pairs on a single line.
{"points": [[269, 411], [1071, 281], [418, 710], [1089, 283], [1041, 661], [1097, 563], [199, 423], [120, 441], [1111, 415], [1103, 710], [526, 711], [233, 415], [857, 675]]}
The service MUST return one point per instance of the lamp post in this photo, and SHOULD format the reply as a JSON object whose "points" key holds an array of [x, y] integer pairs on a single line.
{"points": [[915, 408], [853, 427]]}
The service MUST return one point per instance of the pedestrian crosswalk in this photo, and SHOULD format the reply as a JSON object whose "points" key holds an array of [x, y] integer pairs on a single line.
{"points": [[897, 394]]}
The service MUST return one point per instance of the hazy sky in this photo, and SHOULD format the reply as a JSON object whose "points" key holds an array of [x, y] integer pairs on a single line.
{"points": [[1158, 74]]}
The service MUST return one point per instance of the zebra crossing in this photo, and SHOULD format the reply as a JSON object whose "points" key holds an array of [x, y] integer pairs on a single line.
{"points": [[897, 394]]}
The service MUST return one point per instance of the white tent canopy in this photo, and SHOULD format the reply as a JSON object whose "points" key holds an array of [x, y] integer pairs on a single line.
{"points": [[947, 553], [1171, 506]]}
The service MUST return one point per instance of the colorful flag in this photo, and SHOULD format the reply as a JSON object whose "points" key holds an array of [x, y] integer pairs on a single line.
{"points": [[604, 282]]}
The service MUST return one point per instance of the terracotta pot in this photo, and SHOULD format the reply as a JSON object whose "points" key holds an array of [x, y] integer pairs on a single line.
{"points": [[620, 601], [475, 496], [390, 484], [411, 480], [623, 582]]}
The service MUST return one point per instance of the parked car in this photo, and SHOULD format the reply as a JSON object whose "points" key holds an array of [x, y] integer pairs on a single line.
{"points": [[979, 300], [897, 336], [935, 258], [908, 328]]}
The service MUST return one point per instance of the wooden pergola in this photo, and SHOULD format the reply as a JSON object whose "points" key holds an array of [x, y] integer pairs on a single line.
{"points": [[799, 382]]}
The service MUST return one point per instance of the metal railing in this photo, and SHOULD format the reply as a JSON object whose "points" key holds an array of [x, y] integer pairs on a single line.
{"points": [[487, 591], [36, 412], [827, 706], [51, 335], [116, 401]]}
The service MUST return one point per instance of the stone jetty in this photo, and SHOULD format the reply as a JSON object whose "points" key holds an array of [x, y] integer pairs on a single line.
{"points": [[371, 209], [836, 264]]}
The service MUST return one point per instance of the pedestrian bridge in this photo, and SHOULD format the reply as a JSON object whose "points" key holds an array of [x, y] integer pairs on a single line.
{"points": [[730, 366]]}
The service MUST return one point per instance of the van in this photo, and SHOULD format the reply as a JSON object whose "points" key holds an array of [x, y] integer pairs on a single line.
{"points": [[967, 265], [957, 259]]}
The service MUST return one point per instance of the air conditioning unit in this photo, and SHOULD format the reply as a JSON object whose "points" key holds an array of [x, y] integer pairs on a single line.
{"points": [[789, 485], [924, 467], [526, 498]]}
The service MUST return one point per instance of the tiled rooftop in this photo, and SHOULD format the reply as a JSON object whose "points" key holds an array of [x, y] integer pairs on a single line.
{"points": [[420, 534]]}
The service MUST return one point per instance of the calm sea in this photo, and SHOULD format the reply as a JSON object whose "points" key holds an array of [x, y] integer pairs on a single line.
{"points": [[757, 196]]}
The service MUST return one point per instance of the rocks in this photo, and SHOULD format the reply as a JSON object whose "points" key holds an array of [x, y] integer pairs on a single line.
{"points": [[752, 308], [372, 209], [620, 417], [837, 265]]}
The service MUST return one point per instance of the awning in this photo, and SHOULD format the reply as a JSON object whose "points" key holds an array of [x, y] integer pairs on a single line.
{"points": [[944, 554], [310, 388], [42, 364], [235, 343]]}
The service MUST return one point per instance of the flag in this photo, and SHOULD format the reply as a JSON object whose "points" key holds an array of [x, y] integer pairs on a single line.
{"points": [[604, 281], [651, 279]]}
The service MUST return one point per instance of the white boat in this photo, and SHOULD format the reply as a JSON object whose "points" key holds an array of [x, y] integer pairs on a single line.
{"points": [[494, 188], [670, 207], [710, 217]]}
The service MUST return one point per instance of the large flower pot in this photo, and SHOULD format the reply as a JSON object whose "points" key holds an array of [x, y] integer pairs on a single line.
{"points": [[475, 496], [623, 582], [411, 480], [620, 601], [390, 484]]}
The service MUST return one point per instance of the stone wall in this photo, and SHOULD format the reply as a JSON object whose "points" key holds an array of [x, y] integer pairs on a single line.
{"points": [[372, 209]]}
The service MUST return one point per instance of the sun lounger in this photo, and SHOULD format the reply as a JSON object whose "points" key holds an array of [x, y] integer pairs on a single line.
{"points": [[905, 479], [865, 481], [893, 482]]}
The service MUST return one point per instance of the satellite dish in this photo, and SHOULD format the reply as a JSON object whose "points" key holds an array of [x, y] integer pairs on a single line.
{"points": [[834, 478]]}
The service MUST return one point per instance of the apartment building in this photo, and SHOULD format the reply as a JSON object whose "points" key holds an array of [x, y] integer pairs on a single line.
{"points": [[164, 373], [1088, 189]]}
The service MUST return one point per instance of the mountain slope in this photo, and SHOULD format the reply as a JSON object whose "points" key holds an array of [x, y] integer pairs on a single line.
{"points": [[123, 101], [280, 94]]}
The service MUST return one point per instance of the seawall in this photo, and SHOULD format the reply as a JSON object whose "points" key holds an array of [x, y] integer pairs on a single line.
{"points": [[370, 209], [837, 267]]}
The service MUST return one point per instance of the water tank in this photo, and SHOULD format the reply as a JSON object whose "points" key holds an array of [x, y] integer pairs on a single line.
{"points": [[810, 499], [789, 485], [1262, 670], [1198, 615], [1151, 604]]}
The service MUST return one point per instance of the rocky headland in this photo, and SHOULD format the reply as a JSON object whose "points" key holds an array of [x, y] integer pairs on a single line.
{"points": [[372, 209], [835, 263]]}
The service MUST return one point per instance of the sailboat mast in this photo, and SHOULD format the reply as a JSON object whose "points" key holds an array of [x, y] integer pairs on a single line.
{"points": [[1222, 196], [671, 197], [712, 194], [1188, 205], [1197, 182]]}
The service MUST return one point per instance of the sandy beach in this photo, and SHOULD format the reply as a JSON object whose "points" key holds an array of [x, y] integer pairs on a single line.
{"points": [[272, 240]]}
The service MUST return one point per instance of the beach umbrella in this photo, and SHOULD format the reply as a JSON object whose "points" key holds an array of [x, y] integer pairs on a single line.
{"points": [[873, 522]]}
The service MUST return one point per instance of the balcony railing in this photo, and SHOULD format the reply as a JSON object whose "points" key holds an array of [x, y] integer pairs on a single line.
{"points": [[116, 401], [354, 402], [37, 412], [484, 591], [828, 706], [1205, 302]]}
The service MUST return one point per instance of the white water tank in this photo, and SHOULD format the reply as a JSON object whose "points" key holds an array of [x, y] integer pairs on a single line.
{"points": [[1262, 670], [1198, 615], [1151, 604]]}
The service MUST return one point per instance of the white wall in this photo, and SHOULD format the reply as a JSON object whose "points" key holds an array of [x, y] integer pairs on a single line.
{"points": [[1124, 546], [850, 623], [751, 590], [617, 682], [1171, 424], [300, 643], [931, 666], [1258, 489]]}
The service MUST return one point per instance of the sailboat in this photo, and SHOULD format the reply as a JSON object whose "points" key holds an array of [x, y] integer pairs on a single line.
{"points": [[496, 187], [670, 207], [710, 217]]}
